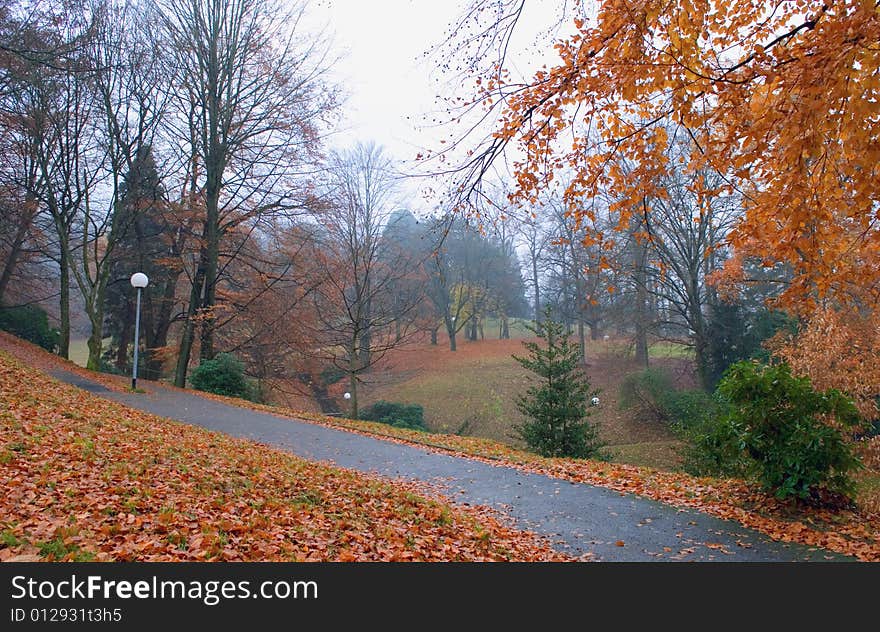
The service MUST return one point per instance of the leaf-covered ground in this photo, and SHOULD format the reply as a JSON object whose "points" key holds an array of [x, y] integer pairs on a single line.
{"points": [[83, 478], [854, 533], [851, 532]]}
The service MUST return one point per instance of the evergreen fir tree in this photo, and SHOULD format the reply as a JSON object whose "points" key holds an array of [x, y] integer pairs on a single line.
{"points": [[143, 247], [557, 405]]}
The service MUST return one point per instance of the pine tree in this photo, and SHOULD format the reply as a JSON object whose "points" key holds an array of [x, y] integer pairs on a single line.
{"points": [[557, 405], [146, 247]]}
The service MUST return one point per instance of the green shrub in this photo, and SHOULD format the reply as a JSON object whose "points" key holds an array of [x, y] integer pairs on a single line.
{"points": [[688, 409], [652, 393], [409, 416], [31, 323], [224, 375], [783, 426], [714, 445]]}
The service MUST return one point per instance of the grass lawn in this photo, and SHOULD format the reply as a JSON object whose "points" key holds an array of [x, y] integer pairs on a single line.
{"points": [[474, 390], [79, 350], [670, 350]]}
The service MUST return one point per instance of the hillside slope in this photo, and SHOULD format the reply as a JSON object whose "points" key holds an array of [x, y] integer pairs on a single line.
{"points": [[83, 478]]}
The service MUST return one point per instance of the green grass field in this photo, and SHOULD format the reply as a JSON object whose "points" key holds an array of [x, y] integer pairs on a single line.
{"points": [[79, 351], [474, 390]]}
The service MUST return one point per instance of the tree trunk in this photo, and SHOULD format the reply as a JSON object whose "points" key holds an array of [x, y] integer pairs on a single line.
{"points": [[124, 340], [96, 314], [157, 331], [187, 336], [450, 329], [366, 343], [206, 351], [642, 307], [537, 289], [701, 351], [64, 304], [96, 337], [701, 345], [582, 342], [15, 252], [153, 362], [352, 380], [434, 336]]}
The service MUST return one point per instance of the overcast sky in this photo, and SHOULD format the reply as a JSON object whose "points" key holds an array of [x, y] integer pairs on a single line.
{"points": [[389, 83]]}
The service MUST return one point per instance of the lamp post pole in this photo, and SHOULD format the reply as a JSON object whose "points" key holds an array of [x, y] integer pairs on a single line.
{"points": [[139, 280]]}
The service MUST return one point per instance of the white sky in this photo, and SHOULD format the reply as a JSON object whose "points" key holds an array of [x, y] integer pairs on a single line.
{"points": [[391, 85]]}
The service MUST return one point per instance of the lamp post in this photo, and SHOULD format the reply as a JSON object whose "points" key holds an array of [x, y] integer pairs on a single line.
{"points": [[139, 280]]}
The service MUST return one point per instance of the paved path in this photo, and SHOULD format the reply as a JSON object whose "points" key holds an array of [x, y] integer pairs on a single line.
{"points": [[579, 518]]}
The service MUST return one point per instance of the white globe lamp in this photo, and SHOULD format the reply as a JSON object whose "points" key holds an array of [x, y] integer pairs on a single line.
{"points": [[139, 281]]}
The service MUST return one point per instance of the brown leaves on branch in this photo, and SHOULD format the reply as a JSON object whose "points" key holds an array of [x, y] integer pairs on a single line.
{"points": [[84, 478], [838, 350]]}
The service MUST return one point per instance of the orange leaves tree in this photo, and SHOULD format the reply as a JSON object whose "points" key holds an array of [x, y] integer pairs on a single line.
{"points": [[838, 350], [779, 98]]}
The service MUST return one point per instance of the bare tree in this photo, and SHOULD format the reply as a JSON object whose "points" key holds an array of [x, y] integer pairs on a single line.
{"points": [[19, 179], [535, 240], [64, 143], [126, 108], [250, 98], [684, 234], [361, 313]]}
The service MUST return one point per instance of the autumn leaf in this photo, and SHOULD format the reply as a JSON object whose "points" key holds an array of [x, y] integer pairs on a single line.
{"points": [[112, 483]]}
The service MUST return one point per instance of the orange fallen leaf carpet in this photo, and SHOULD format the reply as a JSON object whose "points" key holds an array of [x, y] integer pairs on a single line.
{"points": [[83, 478]]}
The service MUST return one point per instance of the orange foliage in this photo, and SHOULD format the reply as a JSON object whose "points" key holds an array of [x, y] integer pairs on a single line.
{"points": [[82, 477], [781, 99], [837, 350]]}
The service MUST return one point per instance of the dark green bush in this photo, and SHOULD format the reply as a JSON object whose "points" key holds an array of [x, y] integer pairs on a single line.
{"points": [[714, 445], [782, 424], [688, 409], [224, 375], [737, 333], [31, 323], [410, 416]]}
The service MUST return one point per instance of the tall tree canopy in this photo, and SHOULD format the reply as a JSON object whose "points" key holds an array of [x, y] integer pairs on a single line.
{"points": [[779, 98]]}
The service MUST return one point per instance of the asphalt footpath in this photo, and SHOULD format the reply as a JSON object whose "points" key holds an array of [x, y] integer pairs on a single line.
{"points": [[578, 518]]}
